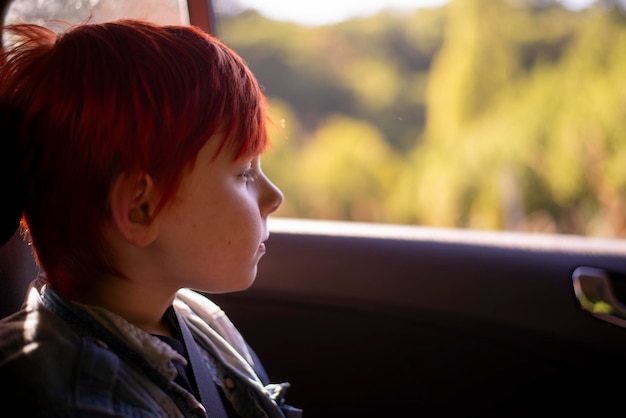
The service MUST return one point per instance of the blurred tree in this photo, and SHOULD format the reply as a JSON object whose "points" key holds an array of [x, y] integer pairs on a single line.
{"points": [[370, 69], [346, 171], [585, 158], [537, 155]]}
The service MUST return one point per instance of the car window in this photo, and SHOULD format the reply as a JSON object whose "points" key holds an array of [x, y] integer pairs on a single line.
{"points": [[481, 114]]}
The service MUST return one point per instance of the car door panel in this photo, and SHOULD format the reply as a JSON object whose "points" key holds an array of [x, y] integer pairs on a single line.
{"points": [[431, 320]]}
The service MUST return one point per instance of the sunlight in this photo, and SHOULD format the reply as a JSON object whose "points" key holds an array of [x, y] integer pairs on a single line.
{"points": [[330, 11], [323, 12]]}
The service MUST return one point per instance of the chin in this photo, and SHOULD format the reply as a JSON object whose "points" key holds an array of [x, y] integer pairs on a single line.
{"points": [[229, 287], [238, 285], [245, 285]]}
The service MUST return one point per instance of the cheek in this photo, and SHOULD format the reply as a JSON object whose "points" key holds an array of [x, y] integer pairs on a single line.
{"points": [[230, 222], [221, 219]]}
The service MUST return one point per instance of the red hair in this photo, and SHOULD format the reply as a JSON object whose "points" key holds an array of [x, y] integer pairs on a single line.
{"points": [[104, 99]]}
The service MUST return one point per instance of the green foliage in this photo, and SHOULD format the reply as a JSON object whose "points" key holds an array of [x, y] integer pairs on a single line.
{"points": [[491, 114], [370, 69]]}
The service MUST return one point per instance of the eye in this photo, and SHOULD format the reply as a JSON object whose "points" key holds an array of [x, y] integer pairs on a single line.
{"points": [[250, 175]]}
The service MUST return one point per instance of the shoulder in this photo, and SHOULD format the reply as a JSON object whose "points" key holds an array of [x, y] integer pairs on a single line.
{"points": [[38, 356], [48, 370], [34, 333]]}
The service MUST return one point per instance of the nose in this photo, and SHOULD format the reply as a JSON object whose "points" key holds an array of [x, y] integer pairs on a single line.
{"points": [[271, 197]]}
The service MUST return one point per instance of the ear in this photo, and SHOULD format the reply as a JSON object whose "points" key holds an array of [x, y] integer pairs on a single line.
{"points": [[133, 199]]}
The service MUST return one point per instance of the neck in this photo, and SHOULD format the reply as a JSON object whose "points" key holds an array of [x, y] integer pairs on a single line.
{"points": [[143, 305]]}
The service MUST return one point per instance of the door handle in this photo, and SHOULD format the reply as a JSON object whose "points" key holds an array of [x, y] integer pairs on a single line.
{"points": [[595, 294]]}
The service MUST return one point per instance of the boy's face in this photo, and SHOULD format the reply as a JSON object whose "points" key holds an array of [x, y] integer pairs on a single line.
{"points": [[212, 234]]}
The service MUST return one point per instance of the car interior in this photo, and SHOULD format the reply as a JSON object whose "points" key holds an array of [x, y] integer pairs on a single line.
{"points": [[380, 320]]}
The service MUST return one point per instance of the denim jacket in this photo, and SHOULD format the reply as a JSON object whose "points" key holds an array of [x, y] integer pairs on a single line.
{"points": [[63, 359]]}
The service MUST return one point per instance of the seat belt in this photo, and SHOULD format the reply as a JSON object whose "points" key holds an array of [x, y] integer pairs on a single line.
{"points": [[209, 395]]}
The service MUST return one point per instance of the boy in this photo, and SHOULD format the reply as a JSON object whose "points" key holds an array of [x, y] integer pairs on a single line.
{"points": [[135, 155]]}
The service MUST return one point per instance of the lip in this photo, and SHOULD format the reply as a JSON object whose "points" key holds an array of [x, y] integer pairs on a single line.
{"points": [[262, 248]]}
